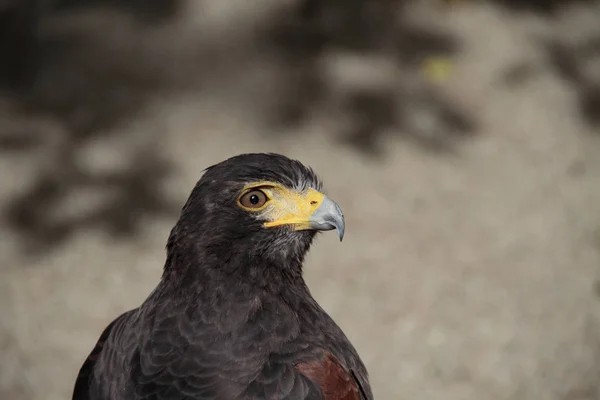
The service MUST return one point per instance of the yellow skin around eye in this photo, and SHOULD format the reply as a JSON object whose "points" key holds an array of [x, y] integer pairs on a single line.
{"points": [[285, 206]]}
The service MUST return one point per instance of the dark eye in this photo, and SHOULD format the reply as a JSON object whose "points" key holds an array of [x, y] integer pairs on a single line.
{"points": [[253, 199]]}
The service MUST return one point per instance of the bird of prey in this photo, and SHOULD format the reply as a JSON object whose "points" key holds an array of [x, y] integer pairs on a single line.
{"points": [[232, 317]]}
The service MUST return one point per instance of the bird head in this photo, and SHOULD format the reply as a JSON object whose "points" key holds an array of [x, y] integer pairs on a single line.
{"points": [[257, 206]]}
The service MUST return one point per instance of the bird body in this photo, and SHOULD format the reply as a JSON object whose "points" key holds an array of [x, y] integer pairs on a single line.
{"points": [[232, 317]]}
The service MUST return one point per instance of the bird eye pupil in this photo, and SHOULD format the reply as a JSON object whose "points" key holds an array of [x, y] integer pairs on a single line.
{"points": [[254, 199]]}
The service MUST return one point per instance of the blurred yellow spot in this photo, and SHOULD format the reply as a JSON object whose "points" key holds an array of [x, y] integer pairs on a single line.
{"points": [[437, 69]]}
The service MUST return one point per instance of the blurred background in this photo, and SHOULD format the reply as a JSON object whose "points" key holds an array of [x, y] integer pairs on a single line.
{"points": [[461, 138]]}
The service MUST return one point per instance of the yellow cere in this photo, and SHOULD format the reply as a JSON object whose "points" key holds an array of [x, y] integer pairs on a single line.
{"points": [[285, 206]]}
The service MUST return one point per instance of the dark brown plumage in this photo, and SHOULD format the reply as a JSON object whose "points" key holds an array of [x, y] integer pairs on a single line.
{"points": [[232, 317]]}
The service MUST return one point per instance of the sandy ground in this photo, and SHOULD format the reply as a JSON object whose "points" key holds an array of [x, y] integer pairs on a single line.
{"points": [[466, 274]]}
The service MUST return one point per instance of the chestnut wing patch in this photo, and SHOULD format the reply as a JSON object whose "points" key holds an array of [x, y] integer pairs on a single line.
{"points": [[335, 382]]}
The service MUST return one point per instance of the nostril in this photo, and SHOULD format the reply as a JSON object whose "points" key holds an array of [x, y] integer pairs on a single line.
{"points": [[312, 203]]}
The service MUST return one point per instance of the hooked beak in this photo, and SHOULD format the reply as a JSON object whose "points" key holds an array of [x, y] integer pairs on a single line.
{"points": [[310, 210], [326, 217]]}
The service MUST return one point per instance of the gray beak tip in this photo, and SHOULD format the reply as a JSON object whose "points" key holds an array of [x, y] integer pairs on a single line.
{"points": [[328, 216]]}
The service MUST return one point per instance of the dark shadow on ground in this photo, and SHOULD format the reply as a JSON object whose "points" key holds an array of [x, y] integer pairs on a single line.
{"points": [[547, 7], [370, 31], [144, 10], [577, 64], [91, 78], [126, 198], [19, 46], [20, 36], [78, 90], [574, 63]]}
